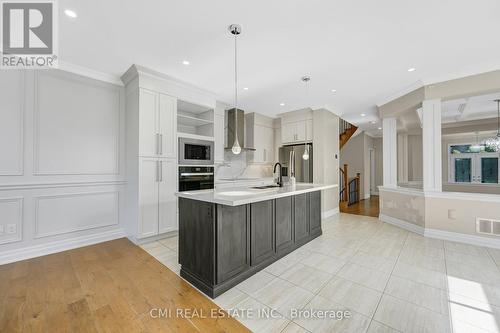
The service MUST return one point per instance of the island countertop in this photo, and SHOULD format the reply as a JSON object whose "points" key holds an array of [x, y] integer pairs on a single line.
{"points": [[245, 195]]}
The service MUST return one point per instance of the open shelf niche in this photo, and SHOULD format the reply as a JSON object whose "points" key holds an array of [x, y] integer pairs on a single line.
{"points": [[195, 121]]}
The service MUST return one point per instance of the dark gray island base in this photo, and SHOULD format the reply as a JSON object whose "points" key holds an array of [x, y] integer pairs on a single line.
{"points": [[220, 245]]}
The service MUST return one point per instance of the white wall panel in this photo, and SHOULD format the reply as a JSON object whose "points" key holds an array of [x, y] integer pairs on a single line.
{"points": [[11, 216], [11, 122], [76, 125], [65, 213]]}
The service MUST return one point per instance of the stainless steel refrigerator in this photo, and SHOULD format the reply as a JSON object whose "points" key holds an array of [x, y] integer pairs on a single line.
{"points": [[294, 155]]}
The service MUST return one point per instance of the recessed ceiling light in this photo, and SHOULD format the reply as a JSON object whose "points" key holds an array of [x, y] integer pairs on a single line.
{"points": [[363, 115], [245, 88], [333, 90], [185, 63], [373, 122], [70, 13], [380, 128], [412, 69], [282, 104]]}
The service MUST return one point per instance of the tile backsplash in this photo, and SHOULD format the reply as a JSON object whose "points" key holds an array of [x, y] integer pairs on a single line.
{"points": [[236, 166]]}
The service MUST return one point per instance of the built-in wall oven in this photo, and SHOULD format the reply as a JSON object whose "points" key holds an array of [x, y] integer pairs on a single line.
{"points": [[193, 178], [195, 152]]}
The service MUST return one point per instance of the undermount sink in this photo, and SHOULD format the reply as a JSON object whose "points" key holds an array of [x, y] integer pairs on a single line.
{"points": [[265, 187]]}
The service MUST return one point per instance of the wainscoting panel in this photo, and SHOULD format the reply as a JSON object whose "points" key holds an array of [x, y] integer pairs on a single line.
{"points": [[11, 123], [66, 213], [76, 125], [11, 220]]}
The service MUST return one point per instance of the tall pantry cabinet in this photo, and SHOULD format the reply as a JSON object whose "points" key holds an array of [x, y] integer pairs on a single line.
{"points": [[151, 139]]}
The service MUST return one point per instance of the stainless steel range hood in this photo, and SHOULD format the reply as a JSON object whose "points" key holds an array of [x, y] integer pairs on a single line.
{"points": [[232, 122]]}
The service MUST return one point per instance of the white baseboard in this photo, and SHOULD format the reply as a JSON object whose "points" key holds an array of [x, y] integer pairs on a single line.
{"points": [[463, 238], [402, 224], [330, 213], [140, 241], [441, 234], [58, 246]]}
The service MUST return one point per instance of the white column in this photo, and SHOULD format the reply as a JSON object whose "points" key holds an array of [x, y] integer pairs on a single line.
{"points": [[431, 143], [403, 158], [390, 151]]}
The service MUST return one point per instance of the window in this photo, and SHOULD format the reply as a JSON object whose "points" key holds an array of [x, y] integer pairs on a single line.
{"points": [[474, 164]]}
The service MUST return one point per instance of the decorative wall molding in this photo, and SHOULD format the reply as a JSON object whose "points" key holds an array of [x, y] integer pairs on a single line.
{"points": [[37, 114], [32, 186], [58, 246], [18, 236], [66, 230], [402, 224], [22, 104]]}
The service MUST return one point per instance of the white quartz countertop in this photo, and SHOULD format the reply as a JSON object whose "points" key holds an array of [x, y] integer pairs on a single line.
{"points": [[245, 195]]}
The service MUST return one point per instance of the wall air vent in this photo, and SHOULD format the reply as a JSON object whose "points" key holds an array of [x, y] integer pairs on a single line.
{"points": [[487, 226]]}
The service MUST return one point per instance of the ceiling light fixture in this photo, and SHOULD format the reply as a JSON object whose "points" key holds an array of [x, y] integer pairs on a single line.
{"points": [[373, 122], [363, 115], [245, 88], [494, 142], [380, 128], [235, 29], [282, 104], [333, 90], [185, 63], [412, 69], [70, 13]]}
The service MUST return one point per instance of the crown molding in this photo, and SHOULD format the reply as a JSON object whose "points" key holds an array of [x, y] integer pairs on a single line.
{"points": [[90, 73]]}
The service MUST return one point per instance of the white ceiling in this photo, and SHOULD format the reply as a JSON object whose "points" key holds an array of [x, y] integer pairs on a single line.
{"points": [[361, 49]]}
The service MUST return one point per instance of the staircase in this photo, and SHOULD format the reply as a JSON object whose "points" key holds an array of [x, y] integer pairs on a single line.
{"points": [[349, 188], [346, 130]]}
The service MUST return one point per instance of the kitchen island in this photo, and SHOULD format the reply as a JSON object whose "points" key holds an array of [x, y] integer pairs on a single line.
{"points": [[226, 236]]}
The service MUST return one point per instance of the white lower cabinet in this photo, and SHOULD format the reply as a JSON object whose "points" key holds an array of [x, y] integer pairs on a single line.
{"points": [[157, 202], [166, 197]]}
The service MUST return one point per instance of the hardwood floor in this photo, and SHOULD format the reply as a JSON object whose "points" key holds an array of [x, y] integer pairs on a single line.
{"points": [[108, 287], [368, 207]]}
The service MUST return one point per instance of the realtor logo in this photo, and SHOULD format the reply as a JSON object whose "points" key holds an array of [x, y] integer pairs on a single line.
{"points": [[28, 34]]}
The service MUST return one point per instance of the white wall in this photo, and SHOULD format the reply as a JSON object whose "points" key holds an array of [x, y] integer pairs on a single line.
{"points": [[61, 162], [325, 157]]}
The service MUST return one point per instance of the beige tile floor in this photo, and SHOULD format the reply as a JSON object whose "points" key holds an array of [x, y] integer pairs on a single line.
{"points": [[389, 279]]}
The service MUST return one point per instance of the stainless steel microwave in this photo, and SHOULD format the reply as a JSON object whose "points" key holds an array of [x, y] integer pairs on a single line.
{"points": [[195, 152]]}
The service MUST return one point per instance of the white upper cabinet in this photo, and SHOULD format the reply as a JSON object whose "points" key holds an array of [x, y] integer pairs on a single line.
{"points": [[296, 127], [260, 135], [158, 126], [168, 126], [148, 123]]}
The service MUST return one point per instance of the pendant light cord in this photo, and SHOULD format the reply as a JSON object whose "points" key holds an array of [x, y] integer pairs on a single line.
{"points": [[235, 73]]}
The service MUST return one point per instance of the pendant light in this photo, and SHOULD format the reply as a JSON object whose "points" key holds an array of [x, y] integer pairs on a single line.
{"points": [[494, 142], [306, 80], [235, 29]]}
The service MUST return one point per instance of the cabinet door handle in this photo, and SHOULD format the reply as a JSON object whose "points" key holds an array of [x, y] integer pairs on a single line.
{"points": [[161, 144], [161, 171]]}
